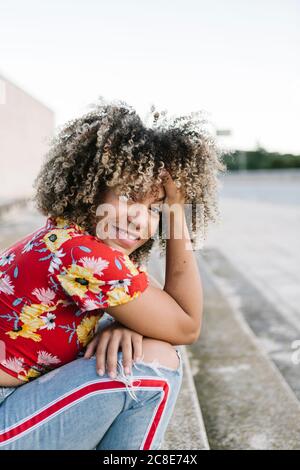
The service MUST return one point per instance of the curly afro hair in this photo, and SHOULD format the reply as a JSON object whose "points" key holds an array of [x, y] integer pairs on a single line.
{"points": [[111, 146]]}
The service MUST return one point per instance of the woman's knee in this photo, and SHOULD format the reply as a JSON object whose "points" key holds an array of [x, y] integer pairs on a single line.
{"points": [[160, 351]]}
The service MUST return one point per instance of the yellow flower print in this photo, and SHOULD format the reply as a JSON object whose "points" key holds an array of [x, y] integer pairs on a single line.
{"points": [[55, 238], [79, 280], [136, 294], [118, 296], [61, 222], [130, 265], [23, 377], [24, 331], [32, 321], [85, 331], [31, 374]]}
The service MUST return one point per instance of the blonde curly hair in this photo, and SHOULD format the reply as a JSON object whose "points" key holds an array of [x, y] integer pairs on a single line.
{"points": [[111, 146]]}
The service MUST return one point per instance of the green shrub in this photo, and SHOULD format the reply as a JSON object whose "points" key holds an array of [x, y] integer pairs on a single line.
{"points": [[260, 159]]}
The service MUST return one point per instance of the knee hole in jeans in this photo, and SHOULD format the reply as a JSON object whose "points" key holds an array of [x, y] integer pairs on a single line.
{"points": [[162, 353]]}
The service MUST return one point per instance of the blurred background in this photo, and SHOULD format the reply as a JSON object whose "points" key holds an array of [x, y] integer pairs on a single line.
{"points": [[238, 61]]}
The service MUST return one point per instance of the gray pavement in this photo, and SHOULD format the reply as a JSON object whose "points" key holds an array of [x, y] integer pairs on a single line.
{"points": [[245, 402]]}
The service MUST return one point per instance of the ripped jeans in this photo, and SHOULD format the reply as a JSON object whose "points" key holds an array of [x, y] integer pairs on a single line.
{"points": [[72, 407]]}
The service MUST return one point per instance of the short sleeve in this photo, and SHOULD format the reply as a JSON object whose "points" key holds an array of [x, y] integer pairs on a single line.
{"points": [[96, 275]]}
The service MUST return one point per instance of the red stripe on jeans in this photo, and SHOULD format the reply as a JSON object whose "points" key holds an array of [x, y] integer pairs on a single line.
{"points": [[157, 417], [39, 417]]}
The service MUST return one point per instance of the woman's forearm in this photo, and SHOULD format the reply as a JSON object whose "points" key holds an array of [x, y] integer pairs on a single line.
{"points": [[182, 280]]}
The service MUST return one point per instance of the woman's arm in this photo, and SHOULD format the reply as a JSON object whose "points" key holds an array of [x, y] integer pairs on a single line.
{"points": [[183, 281], [157, 315]]}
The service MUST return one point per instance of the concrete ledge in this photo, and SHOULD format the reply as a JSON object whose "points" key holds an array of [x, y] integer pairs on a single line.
{"points": [[186, 429], [274, 324], [245, 402]]}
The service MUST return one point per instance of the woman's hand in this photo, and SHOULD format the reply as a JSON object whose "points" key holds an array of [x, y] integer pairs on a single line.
{"points": [[107, 343], [173, 194]]}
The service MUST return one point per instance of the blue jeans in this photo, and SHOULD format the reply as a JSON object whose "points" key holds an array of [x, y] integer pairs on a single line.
{"points": [[72, 407]]}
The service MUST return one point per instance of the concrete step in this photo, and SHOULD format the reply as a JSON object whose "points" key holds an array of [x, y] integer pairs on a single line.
{"points": [[245, 401], [186, 430], [272, 323]]}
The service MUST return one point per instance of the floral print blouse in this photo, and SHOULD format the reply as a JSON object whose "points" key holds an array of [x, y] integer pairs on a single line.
{"points": [[54, 286]]}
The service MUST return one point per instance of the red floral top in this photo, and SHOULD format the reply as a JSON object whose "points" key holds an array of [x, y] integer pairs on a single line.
{"points": [[54, 286]]}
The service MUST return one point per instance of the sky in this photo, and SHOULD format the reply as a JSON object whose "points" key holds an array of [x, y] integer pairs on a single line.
{"points": [[238, 60]]}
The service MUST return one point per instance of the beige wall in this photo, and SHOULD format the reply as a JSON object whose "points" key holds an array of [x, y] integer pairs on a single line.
{"points": [[25, 126]]}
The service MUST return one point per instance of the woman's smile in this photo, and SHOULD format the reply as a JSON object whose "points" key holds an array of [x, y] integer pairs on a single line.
{"points": [[125, 237]]}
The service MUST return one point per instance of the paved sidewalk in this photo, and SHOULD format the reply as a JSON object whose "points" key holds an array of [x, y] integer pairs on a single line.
{"points": [[262, 240], [255, 255]]}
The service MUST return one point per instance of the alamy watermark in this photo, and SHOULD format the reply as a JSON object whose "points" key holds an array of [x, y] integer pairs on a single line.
{"points": [[176, 220], [296, 354]]}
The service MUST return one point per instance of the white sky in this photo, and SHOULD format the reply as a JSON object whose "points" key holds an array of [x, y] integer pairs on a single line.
{"points": [[236, 59]]}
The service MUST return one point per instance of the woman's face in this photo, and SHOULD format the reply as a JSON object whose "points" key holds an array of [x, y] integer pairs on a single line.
{"points": [[127, 224]]}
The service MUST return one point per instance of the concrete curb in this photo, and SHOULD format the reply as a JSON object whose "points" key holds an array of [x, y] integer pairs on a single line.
{"points": [[246, 403], [273, 325], [186, 430]]}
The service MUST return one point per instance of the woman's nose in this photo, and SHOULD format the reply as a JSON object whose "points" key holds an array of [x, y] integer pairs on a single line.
{"points": [[138, 217]]}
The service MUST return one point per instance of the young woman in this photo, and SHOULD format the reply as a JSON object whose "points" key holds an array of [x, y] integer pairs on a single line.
{"points": [[105, 186]]}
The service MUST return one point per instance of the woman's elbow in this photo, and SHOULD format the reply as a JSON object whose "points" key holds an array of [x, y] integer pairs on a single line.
{"points": [[195, 336], [186, 339], [195, 333]]}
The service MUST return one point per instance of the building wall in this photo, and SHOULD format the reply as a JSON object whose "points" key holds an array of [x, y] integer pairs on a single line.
{"points": [[25, 126]]}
